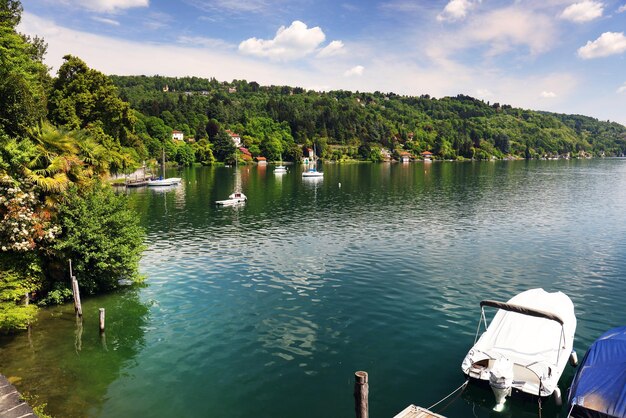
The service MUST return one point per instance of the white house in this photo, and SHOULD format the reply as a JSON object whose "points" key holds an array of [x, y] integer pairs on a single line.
{"points": [[177, 136], [235, 137]]}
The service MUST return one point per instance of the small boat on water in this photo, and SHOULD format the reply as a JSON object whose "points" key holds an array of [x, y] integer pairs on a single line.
{"points": [[162, 181], [172, 181], [599, 386], [236, 198], [526, 346], [312, 172]]}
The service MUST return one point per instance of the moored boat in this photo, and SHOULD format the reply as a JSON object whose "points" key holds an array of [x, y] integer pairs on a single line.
{"points": [[599, 386], [526, 346], [164, 182], [312, 172], [234, 199]]}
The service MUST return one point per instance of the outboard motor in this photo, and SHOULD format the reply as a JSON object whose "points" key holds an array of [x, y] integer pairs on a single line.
{"points": [[501, 380]]}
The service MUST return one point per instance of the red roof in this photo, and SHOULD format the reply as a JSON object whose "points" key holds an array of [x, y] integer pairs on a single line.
{"points": [[260, 158], [427, 153], [176, 132], [244, 150]]}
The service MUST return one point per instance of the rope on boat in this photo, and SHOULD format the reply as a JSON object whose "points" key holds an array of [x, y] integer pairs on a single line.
{"points": [[453, 392]]}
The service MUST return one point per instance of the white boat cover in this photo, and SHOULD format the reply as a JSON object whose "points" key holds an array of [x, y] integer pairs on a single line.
{"points": [[538, 345]]}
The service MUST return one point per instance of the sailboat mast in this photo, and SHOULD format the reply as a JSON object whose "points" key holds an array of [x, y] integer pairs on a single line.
{"points": [[163, 162]]}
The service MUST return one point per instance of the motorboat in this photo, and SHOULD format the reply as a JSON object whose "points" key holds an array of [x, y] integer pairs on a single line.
{"points": [[236, 198], [526, 346], [171, 181], [599, 386], [280, 169], [312, 173]]}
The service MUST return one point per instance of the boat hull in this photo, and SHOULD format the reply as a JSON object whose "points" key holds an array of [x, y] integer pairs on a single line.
{"points": [[164, 182]]}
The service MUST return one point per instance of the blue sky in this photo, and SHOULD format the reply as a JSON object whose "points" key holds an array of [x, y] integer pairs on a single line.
{"points": [[557, 55]]}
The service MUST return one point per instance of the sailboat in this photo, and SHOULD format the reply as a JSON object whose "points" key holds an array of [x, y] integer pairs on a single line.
{"points": [[237, 197], [280, 169], [312, 171], [162, 181]]}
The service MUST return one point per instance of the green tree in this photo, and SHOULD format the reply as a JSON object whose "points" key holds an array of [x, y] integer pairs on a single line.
{"points": [[101, 235], [223, 147], [82, 96]]}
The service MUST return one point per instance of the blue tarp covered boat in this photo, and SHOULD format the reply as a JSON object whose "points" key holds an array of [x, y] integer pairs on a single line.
{"points": [[599, 386]]}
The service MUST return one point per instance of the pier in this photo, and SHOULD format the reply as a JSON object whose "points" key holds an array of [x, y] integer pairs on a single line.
{"points": [[12, 405]]}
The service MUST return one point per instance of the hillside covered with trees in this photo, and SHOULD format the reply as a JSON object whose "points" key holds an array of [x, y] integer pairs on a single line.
{"points": [[277, 120]]}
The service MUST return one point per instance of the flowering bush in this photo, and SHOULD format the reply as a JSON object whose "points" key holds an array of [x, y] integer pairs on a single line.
{"points": [[24, 224]]}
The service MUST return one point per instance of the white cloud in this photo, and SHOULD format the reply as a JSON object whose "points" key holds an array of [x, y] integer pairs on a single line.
{"points": [[622, 9], [293, 42], [109, 6], [204, 42], [583, 11], [609, 43], [354, 71], [333, 48], [548, 94], [236, 6], [105, 20], [497, 32], [455, 10], [483, 93], [621, 89]]}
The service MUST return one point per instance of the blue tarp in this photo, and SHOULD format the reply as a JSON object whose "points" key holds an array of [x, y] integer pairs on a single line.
{"points": [[599, 385]]}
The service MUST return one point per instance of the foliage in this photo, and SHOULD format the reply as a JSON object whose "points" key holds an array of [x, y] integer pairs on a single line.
{"points": [[224, 148], [101, 235], [23, 77], [271, 118], [82, 97], [20, 274]]}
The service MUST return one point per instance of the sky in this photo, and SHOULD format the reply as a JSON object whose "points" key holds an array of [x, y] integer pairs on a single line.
{"points": [[555, 55]]}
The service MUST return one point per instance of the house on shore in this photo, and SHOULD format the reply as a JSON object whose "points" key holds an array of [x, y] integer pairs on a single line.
{"points": [[427, 155], [245, 154], [178, 136], [261, 160], [405, 157], [234, 137]]}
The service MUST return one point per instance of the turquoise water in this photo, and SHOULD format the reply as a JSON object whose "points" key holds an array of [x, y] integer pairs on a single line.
{"points": [[268, 309]]}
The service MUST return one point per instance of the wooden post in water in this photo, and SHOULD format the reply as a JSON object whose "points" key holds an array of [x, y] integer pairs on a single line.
{"points": [[361, 393], [101, 319]]}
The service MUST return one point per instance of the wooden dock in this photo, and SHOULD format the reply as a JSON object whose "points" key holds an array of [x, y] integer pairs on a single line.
{"points": [[413, 411], [11, 403]]}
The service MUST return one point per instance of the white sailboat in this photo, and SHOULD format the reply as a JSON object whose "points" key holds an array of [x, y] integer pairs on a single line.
{"points": [[172, 181], [312, 171], [280, 169], [237, 197]]}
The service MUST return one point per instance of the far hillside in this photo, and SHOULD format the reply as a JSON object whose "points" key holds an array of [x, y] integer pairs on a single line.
{"points": [[277, 121]]}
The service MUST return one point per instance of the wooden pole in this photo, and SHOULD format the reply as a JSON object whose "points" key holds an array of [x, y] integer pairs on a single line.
{"points": [[361, 393], [101, 319], [75, 290]]}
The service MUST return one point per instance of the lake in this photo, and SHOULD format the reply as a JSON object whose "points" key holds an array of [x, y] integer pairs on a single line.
{"points": [[268, 309]]}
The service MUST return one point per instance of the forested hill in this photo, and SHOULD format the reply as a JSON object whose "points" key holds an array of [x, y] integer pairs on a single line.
{"points": [[347, 124]]}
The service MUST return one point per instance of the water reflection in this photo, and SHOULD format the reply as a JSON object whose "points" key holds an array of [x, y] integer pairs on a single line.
{"points": [[63, 360]]}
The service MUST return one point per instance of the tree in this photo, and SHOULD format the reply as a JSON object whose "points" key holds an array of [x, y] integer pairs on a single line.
{"points": [[82, 96], [101, 235], [223, 147]]}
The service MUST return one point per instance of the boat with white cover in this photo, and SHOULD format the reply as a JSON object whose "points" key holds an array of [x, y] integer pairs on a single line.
{"points": [[525, 347], [312, 172], [171, 181], [234, 199]]}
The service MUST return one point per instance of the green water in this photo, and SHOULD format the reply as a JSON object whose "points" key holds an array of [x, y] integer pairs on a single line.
{"points": [[268, 309]]}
